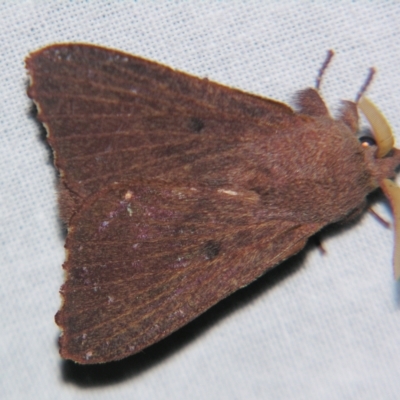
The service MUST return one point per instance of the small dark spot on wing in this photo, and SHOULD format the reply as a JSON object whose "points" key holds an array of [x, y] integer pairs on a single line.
{"points": [[211, 249], [196, 124]]}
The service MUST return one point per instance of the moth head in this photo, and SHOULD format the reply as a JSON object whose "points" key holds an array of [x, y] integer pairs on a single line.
{"points": [[387, 159]]}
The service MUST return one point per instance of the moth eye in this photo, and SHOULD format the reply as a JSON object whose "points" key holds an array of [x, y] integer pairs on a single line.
{"points": [[367, 141]]}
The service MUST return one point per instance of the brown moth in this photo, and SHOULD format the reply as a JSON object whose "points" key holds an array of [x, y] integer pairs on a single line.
{"points": [[178, 191]]}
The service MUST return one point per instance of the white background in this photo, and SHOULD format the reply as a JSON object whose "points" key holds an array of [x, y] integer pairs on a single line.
{"points": [[317, 327]]}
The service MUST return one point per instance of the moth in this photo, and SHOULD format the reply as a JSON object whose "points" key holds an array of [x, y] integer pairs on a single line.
{"points": [[177, 191]]}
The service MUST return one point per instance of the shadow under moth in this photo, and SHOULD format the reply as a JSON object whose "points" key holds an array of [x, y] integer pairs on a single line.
{"points": [[178, 191]]}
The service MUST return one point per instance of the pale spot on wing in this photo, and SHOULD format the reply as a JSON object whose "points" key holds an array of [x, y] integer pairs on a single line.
{"points": [[128, 195], [230, 192], [103, 225]]}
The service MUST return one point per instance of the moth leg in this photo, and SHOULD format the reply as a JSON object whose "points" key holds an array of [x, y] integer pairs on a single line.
{"points": [[318, 243], [366, 84], [392, 192], [348, 114], [323, 68], [383, 221], [309, 101], [354, 214]]}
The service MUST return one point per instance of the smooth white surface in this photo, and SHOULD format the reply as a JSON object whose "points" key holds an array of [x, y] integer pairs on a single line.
{"points": [[319, 327]]}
